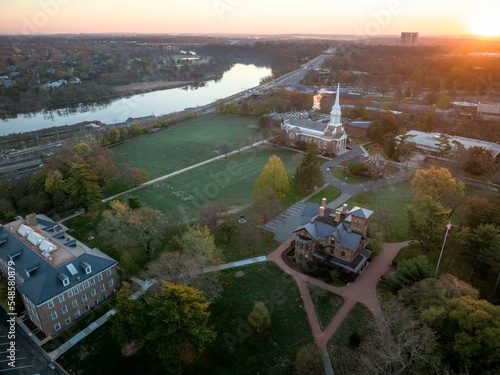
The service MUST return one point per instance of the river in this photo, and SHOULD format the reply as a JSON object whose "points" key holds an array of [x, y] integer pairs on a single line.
{"points": [[236, 79]]}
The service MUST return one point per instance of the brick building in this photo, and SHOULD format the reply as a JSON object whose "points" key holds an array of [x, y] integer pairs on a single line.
{"points": [[58, 278], [335, 238]]}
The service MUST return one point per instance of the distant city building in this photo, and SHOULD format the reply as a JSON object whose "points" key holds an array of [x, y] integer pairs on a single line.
{"points": [[409, 38], [330, 137], [58, 278]]}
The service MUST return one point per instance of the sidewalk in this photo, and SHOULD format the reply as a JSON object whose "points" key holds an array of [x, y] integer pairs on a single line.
{"points": [[363, 290], [145, 285], [151, 182]]}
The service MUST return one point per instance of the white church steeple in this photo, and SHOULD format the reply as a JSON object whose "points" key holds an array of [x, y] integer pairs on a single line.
{"points": [[336, 113]]}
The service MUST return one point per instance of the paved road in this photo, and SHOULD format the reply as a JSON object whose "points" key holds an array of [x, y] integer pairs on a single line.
{"points": [[29, 358]]}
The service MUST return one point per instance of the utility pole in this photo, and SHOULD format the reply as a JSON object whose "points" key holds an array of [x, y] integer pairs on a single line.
{"points": [[448, 227]]}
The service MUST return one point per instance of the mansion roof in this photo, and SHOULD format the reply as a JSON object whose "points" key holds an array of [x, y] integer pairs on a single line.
{"points": [[321, 227]]}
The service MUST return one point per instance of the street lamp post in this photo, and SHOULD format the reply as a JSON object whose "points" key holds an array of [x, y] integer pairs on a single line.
{"points": [[448, 227]]}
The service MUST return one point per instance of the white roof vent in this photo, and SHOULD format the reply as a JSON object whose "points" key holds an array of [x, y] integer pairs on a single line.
{"points": [[35, 238], [47, 246], [24, 230]]}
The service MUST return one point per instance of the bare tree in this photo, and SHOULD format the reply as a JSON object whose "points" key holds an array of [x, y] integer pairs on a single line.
{"points": [[211, 213], [400, 343]]}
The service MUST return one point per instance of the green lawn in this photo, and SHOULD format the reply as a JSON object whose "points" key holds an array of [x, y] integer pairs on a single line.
{"points": [[326, 304], [388, 204], [330, 193], [341, 173], [238, 348], [190, 143], [228, 180], [345, 359]]}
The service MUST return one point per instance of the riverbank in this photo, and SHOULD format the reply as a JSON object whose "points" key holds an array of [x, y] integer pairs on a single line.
{"points": [[141, 87]]}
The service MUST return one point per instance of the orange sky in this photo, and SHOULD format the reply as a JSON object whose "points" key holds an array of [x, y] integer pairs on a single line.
{"points": [[361, 17]]}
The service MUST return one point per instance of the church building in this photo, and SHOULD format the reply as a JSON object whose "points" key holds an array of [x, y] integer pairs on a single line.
{"points": [[330, 137]]}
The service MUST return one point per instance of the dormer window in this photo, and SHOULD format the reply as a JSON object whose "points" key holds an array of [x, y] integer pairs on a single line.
{"points": [[86, 267], [63, 278]]}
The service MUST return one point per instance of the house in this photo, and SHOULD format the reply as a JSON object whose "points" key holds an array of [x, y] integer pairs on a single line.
{"points": [[335, 238], [58, 278], [330, 137]]}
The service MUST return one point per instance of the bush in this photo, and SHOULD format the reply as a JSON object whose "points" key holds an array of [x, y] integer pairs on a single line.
{"points": [[411, 271], [309, 360], [354, 338]]}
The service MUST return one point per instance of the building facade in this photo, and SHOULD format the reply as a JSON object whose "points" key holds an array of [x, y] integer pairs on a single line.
{"points": [[58, 278], [335, 238], [330, 137]]}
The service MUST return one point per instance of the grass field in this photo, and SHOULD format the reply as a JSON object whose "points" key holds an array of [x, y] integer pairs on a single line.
{"points": [[389, 204], [228, 180], [167, 151], [326, 304], [345, 359], [238, 348]]}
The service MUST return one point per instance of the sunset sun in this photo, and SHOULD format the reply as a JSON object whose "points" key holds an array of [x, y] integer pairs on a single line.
{"points": [[486, 25]]}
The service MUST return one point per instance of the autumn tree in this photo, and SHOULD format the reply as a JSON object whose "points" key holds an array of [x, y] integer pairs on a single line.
{"points": [[443, 144], [274, 177], [266, 205], [309, 360], [468, 331], [82, 186], [438, 185], [481, 210], [134, 175], [178, 318], [198, 241], [308, 175], [260, 317], [435, 292]]}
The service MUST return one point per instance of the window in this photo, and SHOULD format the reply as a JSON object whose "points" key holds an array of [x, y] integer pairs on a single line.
{"points": [[75, 290], [80, 288], [92, 281], [57, 326], [77, 314], [108, 272], [88, 270], [53, 315], [342, 254], [87, 284], [290, 135], [84, 298], [64, 309], [110, 282], [65, 281], [99, 277], [61, 298], [74, 303], [67, 320], [102, 287], [70, 293], [93, 293], [50, 304], [96, 302], [87, 308]]}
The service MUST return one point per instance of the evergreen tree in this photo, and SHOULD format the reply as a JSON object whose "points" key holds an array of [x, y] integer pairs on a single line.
{"points": [[308, 174]]}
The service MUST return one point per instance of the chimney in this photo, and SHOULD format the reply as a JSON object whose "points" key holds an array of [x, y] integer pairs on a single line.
{"points": [[344, 208], [337, 216], [321, 211], [323, 202], [31, 219]]}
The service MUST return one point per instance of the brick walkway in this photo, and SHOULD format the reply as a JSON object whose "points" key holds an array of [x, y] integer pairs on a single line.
{"points": [[363, 290]]}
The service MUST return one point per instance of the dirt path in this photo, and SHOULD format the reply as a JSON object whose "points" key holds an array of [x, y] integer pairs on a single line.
{"points": [[363, 290]]}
